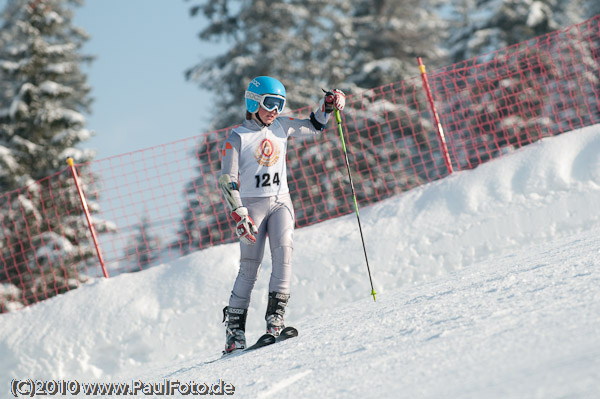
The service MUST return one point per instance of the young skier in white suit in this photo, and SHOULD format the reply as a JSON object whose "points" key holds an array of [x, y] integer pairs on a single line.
{"points": [[253, 180]]}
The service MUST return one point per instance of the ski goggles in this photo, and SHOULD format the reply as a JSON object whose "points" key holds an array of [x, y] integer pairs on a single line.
{"points": [[268, 102]]}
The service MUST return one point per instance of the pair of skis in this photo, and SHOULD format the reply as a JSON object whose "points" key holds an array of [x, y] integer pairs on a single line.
{"points": [[265, 340], [268, 339]]}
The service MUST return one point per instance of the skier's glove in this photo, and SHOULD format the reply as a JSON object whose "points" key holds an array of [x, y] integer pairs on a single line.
{"points": [[334, 99], [245, 228]]}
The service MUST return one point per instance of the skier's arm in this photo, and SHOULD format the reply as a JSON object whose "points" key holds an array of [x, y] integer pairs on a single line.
{"points": [[228, 179], [228, 183], [333, 99]]}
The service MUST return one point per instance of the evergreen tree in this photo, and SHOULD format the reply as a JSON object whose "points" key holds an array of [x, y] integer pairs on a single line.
{"points": [[312, 44], [144, 248], [510, 97], [575, 11], [388, 36], [44, 93], [500, 23], [591, 8], [300, 42]]}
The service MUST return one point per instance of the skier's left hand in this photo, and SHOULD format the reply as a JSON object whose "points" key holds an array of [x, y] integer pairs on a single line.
{"points": [[334, 99]]}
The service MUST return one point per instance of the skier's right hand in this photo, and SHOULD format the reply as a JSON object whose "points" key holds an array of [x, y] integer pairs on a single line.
{"points": [[245, 228]]}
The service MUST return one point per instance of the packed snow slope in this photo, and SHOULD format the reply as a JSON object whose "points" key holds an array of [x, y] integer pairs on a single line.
{"points": [[488, 286]]}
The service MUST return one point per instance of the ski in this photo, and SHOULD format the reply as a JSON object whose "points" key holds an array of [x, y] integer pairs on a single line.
{"points": [[269, 339], [287, 333], [264, 340]]}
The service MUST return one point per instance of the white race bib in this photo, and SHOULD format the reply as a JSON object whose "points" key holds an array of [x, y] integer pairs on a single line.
{"points": [[262, 163]]}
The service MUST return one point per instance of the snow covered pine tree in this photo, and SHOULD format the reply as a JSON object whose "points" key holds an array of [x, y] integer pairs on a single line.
{"points": [[42, 95]]}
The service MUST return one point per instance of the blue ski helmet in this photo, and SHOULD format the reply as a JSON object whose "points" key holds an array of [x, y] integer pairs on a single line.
{"points": [[258, 94]]}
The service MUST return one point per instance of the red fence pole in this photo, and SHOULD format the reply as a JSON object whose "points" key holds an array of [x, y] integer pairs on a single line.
{"points": [[87, 215], [438, 124]]}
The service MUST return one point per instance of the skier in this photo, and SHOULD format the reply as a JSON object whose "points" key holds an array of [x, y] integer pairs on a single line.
{"points": [[253, 181]]}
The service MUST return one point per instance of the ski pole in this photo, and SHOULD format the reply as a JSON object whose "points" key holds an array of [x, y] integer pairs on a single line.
{"points": [[338, 119]]}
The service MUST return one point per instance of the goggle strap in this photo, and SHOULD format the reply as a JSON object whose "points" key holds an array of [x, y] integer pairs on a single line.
{"points": [[253, 96]]}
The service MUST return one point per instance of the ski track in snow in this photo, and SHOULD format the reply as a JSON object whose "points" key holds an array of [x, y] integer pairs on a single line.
{"points": [[488, 286], [279, 386]]}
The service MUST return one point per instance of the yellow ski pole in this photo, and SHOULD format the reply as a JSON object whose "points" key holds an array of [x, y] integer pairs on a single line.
{"points": [[338, 119]]}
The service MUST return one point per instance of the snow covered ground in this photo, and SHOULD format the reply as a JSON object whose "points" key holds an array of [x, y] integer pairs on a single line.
{"points": [[488, 286]]}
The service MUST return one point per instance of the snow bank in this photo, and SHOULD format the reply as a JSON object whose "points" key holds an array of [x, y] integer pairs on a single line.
{"points": [[467, 227]]}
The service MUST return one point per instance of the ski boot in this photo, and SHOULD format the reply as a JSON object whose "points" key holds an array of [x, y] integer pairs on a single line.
{"points": [[235, 327], [275, 312]]}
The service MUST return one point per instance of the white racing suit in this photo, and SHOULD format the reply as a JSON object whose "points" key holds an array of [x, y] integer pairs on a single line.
{"points": [[255, 155]]}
